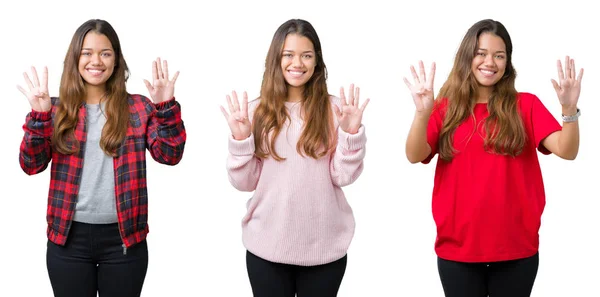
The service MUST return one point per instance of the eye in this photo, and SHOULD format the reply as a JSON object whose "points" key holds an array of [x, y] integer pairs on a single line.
{"points": [[307, 56], [106, 54], [482, 54], [499, 56], [85, 53], [287, 55]]}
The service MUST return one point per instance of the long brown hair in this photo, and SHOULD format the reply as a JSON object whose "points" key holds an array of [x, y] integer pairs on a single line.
{"points": [[270, 115], [505, 133], [72, 94]]}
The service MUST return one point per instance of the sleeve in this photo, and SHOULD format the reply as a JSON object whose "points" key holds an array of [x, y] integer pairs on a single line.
{"points": [[543, 124], [35, 151], [346, 163], [243, 167], [166, 135], [434, 126]]}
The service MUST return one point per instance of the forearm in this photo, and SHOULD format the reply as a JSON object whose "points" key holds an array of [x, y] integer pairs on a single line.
{"points": [[417, 148]]}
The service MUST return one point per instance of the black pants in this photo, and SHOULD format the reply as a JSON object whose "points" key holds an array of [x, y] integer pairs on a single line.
{"points": [[94, 261], [270, 279], [513, 278]]}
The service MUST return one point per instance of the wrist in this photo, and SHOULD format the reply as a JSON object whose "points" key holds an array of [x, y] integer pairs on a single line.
{"points": [[569, 110], [569, 115]]}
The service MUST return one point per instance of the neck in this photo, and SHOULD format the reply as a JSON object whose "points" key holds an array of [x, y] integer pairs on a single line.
{"points": [[94, 94], [484, 94], [295, 94]]}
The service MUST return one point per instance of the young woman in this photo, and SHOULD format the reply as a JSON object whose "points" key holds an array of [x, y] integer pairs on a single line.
{"points": [[295, 147], [96, 135], [488, 194]]}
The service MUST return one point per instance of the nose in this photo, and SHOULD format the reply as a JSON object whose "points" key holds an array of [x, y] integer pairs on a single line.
{"points": [[489, 60], [297, 61], [96, 60]]}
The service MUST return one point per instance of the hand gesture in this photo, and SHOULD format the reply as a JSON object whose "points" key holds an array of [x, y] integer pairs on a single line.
{"points": [[237, 118], [162, 89], [568, 87], [38, 92], [422, 90], [350, 117]]}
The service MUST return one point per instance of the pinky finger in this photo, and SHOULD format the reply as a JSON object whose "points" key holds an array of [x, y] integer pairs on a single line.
{"points": [[224, 113], [22, 90], [580, 76]]}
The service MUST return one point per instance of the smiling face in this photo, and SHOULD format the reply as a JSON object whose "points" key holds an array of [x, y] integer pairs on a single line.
{"points": [[489, 63], [298, 60], [97, 59]]}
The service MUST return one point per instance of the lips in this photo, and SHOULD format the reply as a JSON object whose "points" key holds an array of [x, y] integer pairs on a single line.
{"points": [[487, 73], [295, 73], [95, 72]]}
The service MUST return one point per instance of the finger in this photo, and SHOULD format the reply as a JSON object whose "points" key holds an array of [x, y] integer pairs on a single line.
{"points": [[351, 95], [149, 86], [555, 85], [408, 84], [422, 72], [159, 68], [230, 104], [224, 113], [580, 76], [573, 68], [45, 79], [22, 91], [154, 71], [343, 96], [362, 108], [567, 67], [414, 74], [245, 105], [337, 111], [165, 69], [175, 77], [356, 96], [36, 81], [236, 102], [561, 75], [431, 76], [28, 81]]}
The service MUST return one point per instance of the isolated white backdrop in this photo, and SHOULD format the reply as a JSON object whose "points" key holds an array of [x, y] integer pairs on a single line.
{"points": [[195, 215]]}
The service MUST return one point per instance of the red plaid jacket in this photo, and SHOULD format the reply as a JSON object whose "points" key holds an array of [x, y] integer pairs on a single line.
{"points": [[157, 127]]}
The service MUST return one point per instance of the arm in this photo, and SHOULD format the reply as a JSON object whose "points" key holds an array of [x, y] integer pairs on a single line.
{"points": [[417, 147], [243, 167], [166, 135], [565, 143], [346, 162], [36, 152]]}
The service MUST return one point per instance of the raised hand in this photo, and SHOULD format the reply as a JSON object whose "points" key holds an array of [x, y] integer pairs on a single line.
{"points": [[237, 118], [422, 89], [568, 86], [350, 117], [161, 89], [38, 92]]}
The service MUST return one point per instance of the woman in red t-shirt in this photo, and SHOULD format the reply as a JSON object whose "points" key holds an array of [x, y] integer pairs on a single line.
{"points": [[488, 194]]}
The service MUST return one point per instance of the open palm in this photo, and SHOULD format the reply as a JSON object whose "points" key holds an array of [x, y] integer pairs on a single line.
{"points": [[422, 89], [37, 95], [350, 116], [161, 89], [568, 86], [237, 118]]}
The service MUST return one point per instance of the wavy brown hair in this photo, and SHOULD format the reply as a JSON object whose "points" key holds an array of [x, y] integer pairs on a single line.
{"points": [[270, 115], [73, 91], [505, 133]]}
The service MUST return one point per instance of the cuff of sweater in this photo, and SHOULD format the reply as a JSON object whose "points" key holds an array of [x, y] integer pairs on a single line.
{"points": [[41, 116], [241, 147], [352, 142], [165, 104]]}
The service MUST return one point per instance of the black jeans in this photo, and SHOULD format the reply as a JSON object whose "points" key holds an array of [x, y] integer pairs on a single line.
{"points": [[269, 279], [513, 278], [94, 261]]}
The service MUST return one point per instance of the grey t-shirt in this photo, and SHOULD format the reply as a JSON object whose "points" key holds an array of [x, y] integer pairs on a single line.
{"points": [[96, 200]]}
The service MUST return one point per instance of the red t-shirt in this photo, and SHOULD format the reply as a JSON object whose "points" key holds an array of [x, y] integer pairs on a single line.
{"points": [[488, 207]]}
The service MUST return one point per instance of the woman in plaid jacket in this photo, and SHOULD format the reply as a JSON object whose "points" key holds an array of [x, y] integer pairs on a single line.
{"points": [[96, 135]]}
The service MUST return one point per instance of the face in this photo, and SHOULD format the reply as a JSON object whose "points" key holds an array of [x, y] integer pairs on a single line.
{"points": [[489, 62], [97, 59], [298, 60]]}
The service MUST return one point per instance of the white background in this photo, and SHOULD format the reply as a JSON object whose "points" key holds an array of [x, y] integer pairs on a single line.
{"points": [[195, 214]]}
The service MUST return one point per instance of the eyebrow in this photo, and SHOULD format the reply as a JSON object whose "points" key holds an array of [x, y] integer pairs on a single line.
{"points": [[91, 49], [484, 49], [304, 52]]}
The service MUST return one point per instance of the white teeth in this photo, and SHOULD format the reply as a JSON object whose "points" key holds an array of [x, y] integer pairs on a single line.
{"points": [[95, 71], [296, 73], [487, 72]]}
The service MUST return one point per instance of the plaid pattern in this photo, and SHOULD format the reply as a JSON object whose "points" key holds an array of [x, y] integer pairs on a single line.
{"points": [[157, 127]]}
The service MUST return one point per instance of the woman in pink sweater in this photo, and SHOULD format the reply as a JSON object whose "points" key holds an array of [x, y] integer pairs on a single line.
{"points": [[295, 147]]}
